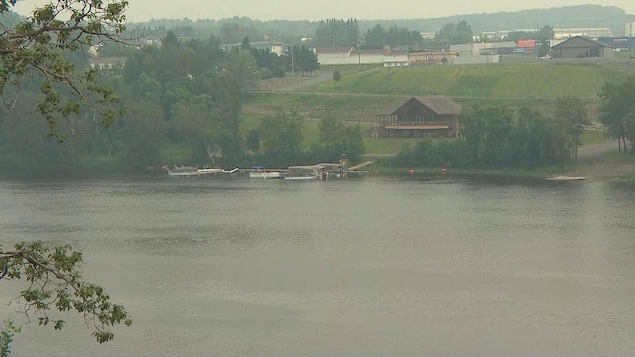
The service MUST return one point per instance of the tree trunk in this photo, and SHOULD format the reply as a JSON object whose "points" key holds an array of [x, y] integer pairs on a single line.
{"points": [[619, 144], [575, 154]]}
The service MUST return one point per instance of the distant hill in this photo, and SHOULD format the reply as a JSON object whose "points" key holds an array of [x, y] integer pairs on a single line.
{"points": [[291, 31], [10, 19], [611, 17]]}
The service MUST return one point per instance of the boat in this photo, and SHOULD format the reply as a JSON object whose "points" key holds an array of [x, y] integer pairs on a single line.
{"points": [[566, 178], [259, 172], [232, 171], [333, 170], [339, 170], [208, 171], [305, 173], [213, 171], [184, 171]]}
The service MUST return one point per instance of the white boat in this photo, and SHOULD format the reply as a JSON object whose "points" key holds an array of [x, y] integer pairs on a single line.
{"points": [[209, 171], [305, 173], [259, 172], [184, 171], [566, 178], [232, 171], [333, 170]]}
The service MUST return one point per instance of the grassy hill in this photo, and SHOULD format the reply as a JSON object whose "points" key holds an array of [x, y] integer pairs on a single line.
{"points": [[360, 94], [542, 79]]}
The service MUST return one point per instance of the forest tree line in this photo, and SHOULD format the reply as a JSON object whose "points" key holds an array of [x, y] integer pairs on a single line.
{"points": [[233, 30], [184, 103], [495, 136]]}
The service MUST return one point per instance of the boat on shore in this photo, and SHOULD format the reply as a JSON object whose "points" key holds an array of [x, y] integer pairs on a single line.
{"points": [[259, 172]]}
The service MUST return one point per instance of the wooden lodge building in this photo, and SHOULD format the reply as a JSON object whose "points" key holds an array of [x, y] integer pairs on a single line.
{"points": [[419, 117]]}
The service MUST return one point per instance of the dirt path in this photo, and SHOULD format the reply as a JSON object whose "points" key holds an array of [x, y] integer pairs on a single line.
{"points": [[593, 164], [297, 83]]}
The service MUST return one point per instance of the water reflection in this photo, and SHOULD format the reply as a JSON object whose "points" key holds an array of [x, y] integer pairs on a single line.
{"points": [[371, 267]]}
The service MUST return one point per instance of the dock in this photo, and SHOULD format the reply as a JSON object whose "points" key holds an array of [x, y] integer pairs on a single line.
{"points": [[359, 166], [566, 178]]}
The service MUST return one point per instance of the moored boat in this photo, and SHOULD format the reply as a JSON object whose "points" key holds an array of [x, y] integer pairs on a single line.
{"points": [[333, 170], [305, 173], [259, 172], [210, 171], [184, 171]]}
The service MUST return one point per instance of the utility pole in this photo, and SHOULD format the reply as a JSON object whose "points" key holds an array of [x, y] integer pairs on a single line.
{"points": [[597, 66], [292, 62]]}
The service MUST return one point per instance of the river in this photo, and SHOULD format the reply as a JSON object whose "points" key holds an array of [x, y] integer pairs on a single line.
{"points": [[377, 266]]}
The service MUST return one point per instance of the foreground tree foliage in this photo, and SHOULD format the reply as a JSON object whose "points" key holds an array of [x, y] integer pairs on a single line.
{"points": [[48, 50], [39, 47], [54, 284], [6, 337]]}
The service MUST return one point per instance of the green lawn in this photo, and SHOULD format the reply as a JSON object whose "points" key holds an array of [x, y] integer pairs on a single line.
{"points": [[519, 80], [363, 92], [311, 128], [592, 137], [388, 146], [308, 102]]}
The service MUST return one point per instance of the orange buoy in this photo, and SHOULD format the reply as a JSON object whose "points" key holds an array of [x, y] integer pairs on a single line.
{"points": [[412, 171]]}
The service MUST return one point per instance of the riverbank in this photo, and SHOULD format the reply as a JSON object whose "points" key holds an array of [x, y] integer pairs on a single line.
{"points": [[600, 162], [611, 166]]}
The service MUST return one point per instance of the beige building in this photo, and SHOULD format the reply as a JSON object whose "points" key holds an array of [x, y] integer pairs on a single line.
{"points": [[430, 57]]}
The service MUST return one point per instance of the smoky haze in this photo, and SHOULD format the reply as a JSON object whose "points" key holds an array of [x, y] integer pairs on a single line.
{"points": [[143, 10]]}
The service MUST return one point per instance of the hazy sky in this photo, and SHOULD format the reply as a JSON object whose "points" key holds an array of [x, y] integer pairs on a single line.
{"points": [[142, 10]]}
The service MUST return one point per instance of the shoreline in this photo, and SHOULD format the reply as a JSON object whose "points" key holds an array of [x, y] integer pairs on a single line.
{"points": [[601, 162], [600, 170]]}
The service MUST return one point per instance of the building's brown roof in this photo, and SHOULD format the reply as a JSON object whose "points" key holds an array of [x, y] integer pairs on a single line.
{"points": [[571, 42], [348, 50], [416, 127], [397, 53], [439, 104]]}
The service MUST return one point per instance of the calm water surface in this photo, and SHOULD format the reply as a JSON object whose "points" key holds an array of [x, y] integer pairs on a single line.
{"points": [[371, 267]]}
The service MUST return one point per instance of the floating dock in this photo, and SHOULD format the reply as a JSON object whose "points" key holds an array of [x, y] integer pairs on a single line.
{"points": [[566, 178]]}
